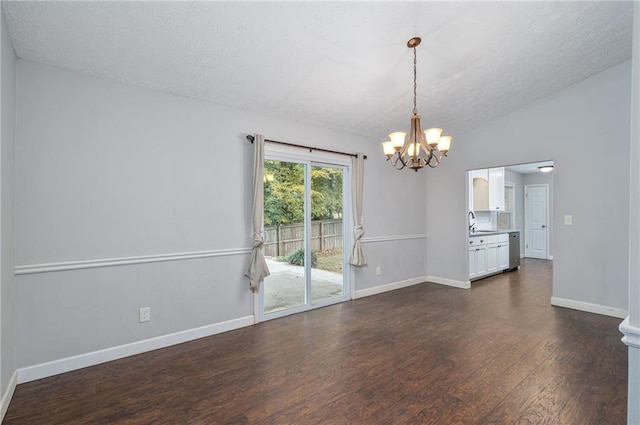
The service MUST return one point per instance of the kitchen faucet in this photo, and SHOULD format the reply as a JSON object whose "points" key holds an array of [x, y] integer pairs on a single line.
{"points": [[472, 221]]}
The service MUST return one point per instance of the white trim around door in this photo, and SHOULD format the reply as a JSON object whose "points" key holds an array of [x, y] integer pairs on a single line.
{"points": [[310, 160], [536, 221]]}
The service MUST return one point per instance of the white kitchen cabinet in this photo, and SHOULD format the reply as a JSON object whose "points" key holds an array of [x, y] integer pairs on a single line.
{"points": [[496, 189], [503, 251], [479, 190], [477, 256], [477, 261], [497, 257], [483, 174], [503, 256], [492, 257], [486, 189], [488, 255], [473, 268]]}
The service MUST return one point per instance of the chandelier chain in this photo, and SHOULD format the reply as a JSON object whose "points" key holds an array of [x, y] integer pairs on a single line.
{"points": [[415, 84]]}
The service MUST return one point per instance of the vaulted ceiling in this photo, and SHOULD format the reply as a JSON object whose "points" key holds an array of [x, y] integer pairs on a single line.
{"points": [[343, 65]]}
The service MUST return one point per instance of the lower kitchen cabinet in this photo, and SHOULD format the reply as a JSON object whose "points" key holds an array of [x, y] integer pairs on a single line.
{"points": [[492, 258], [503, 255], [488, 255], [477, 262]]}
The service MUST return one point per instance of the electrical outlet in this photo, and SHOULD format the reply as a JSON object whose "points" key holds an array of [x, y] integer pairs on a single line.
{"points": [[378, 271], [144, 315], [568, 220]]}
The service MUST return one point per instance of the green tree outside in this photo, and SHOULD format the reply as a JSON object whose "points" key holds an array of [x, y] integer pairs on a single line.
{"points": [[284, 193]]}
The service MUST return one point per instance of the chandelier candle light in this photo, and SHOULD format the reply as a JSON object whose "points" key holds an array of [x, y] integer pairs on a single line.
{"points": [[419, 150]]}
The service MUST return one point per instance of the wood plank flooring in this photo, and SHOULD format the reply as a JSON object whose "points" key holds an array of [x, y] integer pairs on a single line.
{"points": [[427, 354]]}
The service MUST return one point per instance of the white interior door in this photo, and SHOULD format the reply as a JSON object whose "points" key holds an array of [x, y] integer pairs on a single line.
{"points": [[536, 221]]}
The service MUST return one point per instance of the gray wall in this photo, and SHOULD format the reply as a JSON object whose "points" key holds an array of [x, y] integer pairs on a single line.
{"points": [[7, 154], [106, 170], [545, 178], [570, 127]]}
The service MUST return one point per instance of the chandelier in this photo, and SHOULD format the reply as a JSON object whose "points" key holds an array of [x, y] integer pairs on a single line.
{"points": [[419, 150]]}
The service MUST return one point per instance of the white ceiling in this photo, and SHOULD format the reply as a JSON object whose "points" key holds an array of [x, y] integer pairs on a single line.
{"points": [[343, 65], [530, 168]]}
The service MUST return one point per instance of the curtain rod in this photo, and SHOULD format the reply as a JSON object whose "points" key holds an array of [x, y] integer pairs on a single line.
{"points": [[250, 138]]}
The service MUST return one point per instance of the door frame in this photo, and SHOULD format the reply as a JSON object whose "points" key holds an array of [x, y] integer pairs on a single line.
{"points": [[512, 204], [526, 220], [294, 154]]}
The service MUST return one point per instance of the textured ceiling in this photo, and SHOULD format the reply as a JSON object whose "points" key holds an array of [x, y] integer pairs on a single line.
{"points": [[343, 65]]}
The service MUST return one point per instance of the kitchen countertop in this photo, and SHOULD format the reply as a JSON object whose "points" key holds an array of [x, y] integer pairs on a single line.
{"points": [[493, 232]]}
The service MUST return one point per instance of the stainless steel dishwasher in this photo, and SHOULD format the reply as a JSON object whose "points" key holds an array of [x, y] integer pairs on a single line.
{"points": [[514, 250]]}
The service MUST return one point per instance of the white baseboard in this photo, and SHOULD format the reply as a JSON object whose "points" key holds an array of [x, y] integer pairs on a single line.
{"points": [[631, 334], [589, 307], [388, 287], [8, 394], [43, 370], [449, 282]]}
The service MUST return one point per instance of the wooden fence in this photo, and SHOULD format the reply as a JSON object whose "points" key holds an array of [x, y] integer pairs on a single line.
{"points": [[280, 241]]}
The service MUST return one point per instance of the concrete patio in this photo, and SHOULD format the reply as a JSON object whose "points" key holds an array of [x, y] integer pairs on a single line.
{"points": [[284, 288]]}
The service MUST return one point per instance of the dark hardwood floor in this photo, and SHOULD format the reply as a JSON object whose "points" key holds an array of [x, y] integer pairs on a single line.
{"points": [[427, 354]]}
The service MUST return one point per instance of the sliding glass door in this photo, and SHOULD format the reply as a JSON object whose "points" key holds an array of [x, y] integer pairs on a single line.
{"points": [[327, 233], [305, 235], [284, 227]]}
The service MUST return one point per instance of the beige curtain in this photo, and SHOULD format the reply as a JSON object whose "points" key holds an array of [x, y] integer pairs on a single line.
{"points": [[258, 268], [357, 257]]}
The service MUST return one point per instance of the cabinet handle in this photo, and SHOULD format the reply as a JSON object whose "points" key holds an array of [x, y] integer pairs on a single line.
{"points": [[497, 208], [481, 240]]}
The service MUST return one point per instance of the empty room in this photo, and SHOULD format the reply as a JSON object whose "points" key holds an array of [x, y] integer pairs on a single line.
{"points": [[310, 212]]}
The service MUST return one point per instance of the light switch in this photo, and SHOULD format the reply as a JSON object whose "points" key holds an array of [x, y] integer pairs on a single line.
{"points": [[568, 220]]}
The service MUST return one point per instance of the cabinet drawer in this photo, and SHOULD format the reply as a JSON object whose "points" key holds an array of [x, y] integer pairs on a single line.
{"points": [[477, 240], [503, 237], [493, 238]]}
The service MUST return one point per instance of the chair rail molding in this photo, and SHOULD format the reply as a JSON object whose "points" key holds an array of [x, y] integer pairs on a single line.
{"points": [[125, 261], [392, 238]]}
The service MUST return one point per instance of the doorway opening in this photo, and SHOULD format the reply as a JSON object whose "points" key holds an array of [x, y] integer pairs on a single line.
{"points": [[496, 202]]}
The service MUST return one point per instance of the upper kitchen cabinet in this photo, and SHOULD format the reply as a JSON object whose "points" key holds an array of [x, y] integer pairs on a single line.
{"points": [[479, 190], [486, 189], [496, 189]]}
